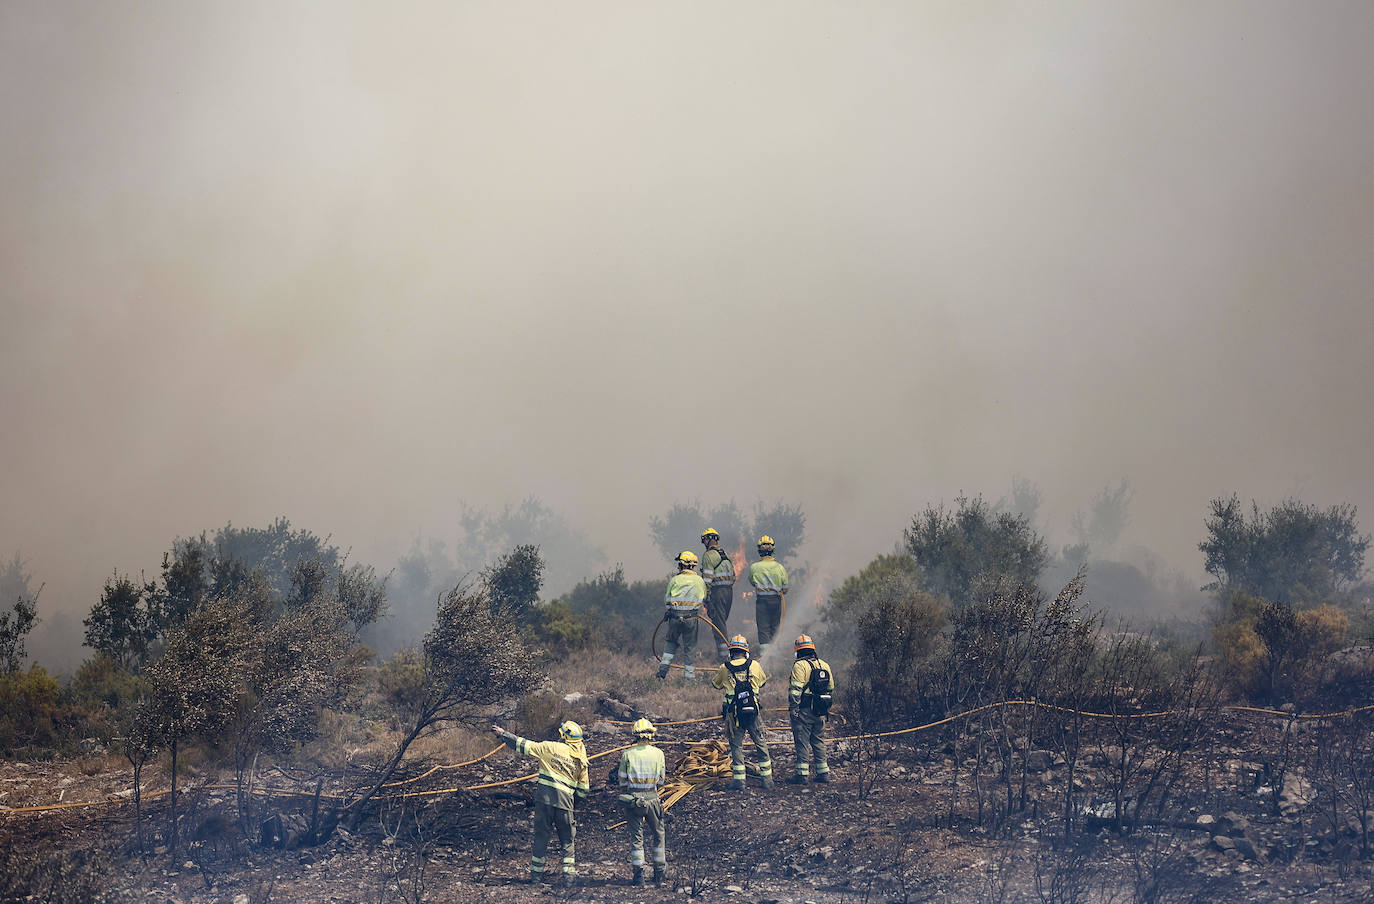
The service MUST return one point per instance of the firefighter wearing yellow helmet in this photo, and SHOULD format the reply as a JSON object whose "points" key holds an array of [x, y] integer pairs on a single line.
{"points": [[642, 772], [809, 694], [719, 574], [743, 679], [684, 598], [562, 780], [770, 586]]}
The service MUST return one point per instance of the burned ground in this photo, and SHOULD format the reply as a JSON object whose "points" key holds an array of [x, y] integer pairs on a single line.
{"points": [[882, 831]]}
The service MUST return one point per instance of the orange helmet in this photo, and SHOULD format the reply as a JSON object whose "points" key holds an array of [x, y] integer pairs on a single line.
{"points": [[804, 643], [738, 644]]}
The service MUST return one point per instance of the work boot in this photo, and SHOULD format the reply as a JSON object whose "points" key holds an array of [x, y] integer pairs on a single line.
{"points": [[798, 780], [658, 875], [662, 670], [639, 876], [737, 785], [768, 783], [823, 778], [571, 880], [535, 878]]}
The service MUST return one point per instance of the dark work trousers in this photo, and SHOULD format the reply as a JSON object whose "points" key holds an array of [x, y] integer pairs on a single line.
{"points": [[767, 614], [718, 604], [735, 735], [548, 820], [808, 737], [682, 636]]}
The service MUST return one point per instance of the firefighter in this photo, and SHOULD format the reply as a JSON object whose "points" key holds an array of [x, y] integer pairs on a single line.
{"points": [[719, 574], [685, 596], [770, 587], [808, 703], [562, 780], [642, 772], [743, 679]]}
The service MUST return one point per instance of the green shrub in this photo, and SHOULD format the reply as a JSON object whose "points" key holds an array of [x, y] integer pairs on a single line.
{"points": [[1272, 652], [101, 681], [884, 577], [35, 720]]}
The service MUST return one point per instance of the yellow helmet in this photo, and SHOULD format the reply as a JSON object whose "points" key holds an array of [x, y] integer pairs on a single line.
{"points": [[709, 533], [570, 731], [687, 559], [643, 728], [765, 542]]}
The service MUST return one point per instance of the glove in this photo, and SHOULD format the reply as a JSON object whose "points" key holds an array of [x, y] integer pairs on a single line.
{"points": [[662, 670]]}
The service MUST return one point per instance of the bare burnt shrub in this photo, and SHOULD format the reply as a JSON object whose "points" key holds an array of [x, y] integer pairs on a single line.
{"points": [[1342, 763], [473, 658], [79, 876], [1066, 874]]}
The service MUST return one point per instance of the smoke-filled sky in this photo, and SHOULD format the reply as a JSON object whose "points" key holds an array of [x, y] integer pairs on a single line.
{"points": [[357, 263]]}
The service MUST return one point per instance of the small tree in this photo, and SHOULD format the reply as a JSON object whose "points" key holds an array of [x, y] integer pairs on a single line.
{"points": [[786, 524], [681, 526], [1293, 553], [514, 580], [125, 621], [473, 658], [1106, 519], [16, 623], [884, 577], [192, 685], [972, 549]]}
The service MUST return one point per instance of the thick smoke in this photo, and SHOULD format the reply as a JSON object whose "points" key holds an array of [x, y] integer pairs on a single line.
{"points": [[358, 268]]}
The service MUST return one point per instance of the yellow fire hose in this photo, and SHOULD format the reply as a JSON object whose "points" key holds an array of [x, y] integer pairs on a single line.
{"points": [[705, 763], [653, 641]]}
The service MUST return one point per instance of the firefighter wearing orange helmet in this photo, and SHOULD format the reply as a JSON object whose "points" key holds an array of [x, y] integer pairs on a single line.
{"points": [[809, 695]]}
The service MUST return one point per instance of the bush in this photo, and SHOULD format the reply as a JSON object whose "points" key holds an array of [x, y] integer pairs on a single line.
{"points": [[606, 611], [101, 682], [898, 630], [884, 577], [35, 719], [1272, 652], [972, 550]]}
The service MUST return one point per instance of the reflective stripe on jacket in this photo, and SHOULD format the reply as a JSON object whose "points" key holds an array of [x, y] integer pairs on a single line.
{"points": [[768, 576], [716, 567], [642, 769], [562, 769], [686, 592]]}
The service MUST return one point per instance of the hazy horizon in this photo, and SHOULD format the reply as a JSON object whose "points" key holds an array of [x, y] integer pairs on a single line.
{"points": [[358, 266]]}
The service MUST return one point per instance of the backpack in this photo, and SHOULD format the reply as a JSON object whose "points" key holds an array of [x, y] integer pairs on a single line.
{"points": [[817, 695], [745, 703]]}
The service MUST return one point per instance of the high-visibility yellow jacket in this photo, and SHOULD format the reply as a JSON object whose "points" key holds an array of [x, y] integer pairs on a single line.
{"points": [[801, 676], [642, 770], [562, 769], [686, 593], [716, 567], [725, 677], [768, 576]]}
